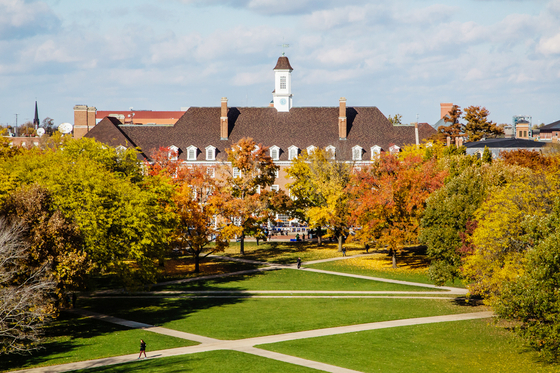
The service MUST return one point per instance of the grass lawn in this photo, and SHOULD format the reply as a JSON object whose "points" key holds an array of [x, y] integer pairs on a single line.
{"points": [[183, 267], [206, 362], [291, 279], [460, 346], [285, 252], [72, 338], [411, 268], [236, 318]]}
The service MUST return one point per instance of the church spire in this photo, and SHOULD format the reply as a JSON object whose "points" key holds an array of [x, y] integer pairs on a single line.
{"points": [[36, 119]]}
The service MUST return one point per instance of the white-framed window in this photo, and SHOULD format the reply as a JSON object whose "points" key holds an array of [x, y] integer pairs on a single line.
{"points": [[357, 153], [311, 149], [258, 189], [275, 188], [394, 149], [277, 173], [210, 153], [236, 172], [282, 82], [274, 153], [375, 151], [211, 171], [120, 149], [173, 153], [237, 221], [293, 152], [191, 153], [331, 150]]}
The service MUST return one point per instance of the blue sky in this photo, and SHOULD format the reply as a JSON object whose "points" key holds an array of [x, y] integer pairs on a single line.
{"points": [[402, 56]]}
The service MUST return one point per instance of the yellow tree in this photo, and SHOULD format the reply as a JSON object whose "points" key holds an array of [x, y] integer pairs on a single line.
{"points": [[509, 223], [319, 188], [249, 171]]}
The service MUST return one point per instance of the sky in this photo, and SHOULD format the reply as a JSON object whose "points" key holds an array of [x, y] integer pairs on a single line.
{"points": [[405, 57]]}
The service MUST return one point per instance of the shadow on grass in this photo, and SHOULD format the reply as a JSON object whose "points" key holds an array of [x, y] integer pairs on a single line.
{"points": [[279, 252], [67, 327]]}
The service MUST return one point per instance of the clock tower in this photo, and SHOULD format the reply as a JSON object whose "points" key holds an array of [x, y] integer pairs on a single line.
{"points": [[282, 95]]}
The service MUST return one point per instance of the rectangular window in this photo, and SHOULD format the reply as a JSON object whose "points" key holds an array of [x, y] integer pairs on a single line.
{"points": [[282, 82], [274, 154], [236, 172], [275, 188], [210, 154], [211, 171], [277, 173], [293, 153]]}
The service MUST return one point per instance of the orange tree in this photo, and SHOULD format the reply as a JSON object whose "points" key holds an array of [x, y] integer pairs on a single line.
{"points": [[389, 198], [248, 171]]}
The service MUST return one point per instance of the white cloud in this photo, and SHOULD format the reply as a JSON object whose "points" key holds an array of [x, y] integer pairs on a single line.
{"points": [[550, 45], [20, 19]]}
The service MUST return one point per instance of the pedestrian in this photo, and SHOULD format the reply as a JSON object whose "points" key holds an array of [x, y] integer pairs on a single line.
{"points": [[343, 251], [142, 349], [298, 263], [367, 248]]}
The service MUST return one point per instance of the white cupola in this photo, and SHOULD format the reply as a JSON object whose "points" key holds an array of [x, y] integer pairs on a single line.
{"points": [[282, 95]]}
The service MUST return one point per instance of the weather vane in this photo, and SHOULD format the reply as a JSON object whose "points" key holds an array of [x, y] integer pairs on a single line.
{"points": [[283, 47]]}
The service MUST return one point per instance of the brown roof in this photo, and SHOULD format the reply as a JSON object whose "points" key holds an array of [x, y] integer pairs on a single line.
{"points": [[301, 126], [144, 115], [283, 64]]}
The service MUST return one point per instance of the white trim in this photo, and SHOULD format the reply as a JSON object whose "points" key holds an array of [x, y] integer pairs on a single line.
{"points": [[210, 150], [190, 155], [375, 151], [311, 148], [174, 149], [293, 152], [332, 150], [274, 152], [357, 153]]}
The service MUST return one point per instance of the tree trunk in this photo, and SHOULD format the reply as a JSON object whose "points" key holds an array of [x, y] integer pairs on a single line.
{"points": [[257, 238], [319, 238], [394, 259], [242, 244], [196, 262], [340, 243]]}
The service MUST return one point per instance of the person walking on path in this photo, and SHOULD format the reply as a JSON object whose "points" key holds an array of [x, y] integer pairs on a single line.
{"points": [[343, 251], [142, 349], [298, 263]]}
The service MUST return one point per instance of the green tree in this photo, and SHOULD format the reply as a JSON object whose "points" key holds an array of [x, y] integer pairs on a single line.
{"points": [[532, 300], [319, 189], [396, 119], [453, 127], [486, 155]]}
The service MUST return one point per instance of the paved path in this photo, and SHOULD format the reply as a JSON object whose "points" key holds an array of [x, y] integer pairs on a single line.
{"points": [[247, 345]]}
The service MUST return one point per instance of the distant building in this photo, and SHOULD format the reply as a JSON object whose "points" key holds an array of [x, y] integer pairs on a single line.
{"points": [[550, 132], [202, 134], [499, 145]]}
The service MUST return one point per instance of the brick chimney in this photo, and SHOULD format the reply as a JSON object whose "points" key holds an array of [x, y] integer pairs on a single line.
{"points": [[342, 120], [445, 108], [84, 120], [224, 125]]}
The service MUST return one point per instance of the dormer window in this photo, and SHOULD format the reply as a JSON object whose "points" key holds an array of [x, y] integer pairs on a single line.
{"points": [[210, 153], [331, 150], [293, 152], [394, 149], [311, 149], [375, 151], [192, 153], [120, 149], [274, 153], [357, 153], [173, 153]]}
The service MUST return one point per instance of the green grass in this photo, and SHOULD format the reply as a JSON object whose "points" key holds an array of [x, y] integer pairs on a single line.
{"points": [[235, 318], [206, 362], [72, 338], [460, 346], [291, 279], [402, 275], [285, 252]]}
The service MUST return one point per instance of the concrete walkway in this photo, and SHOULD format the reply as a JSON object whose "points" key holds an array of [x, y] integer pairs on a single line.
{"points": [[247, 345]]}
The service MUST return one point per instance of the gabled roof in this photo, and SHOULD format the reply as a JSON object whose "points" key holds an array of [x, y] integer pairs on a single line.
{"points": [[505, 143], [301, 127], [554, 126]]}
